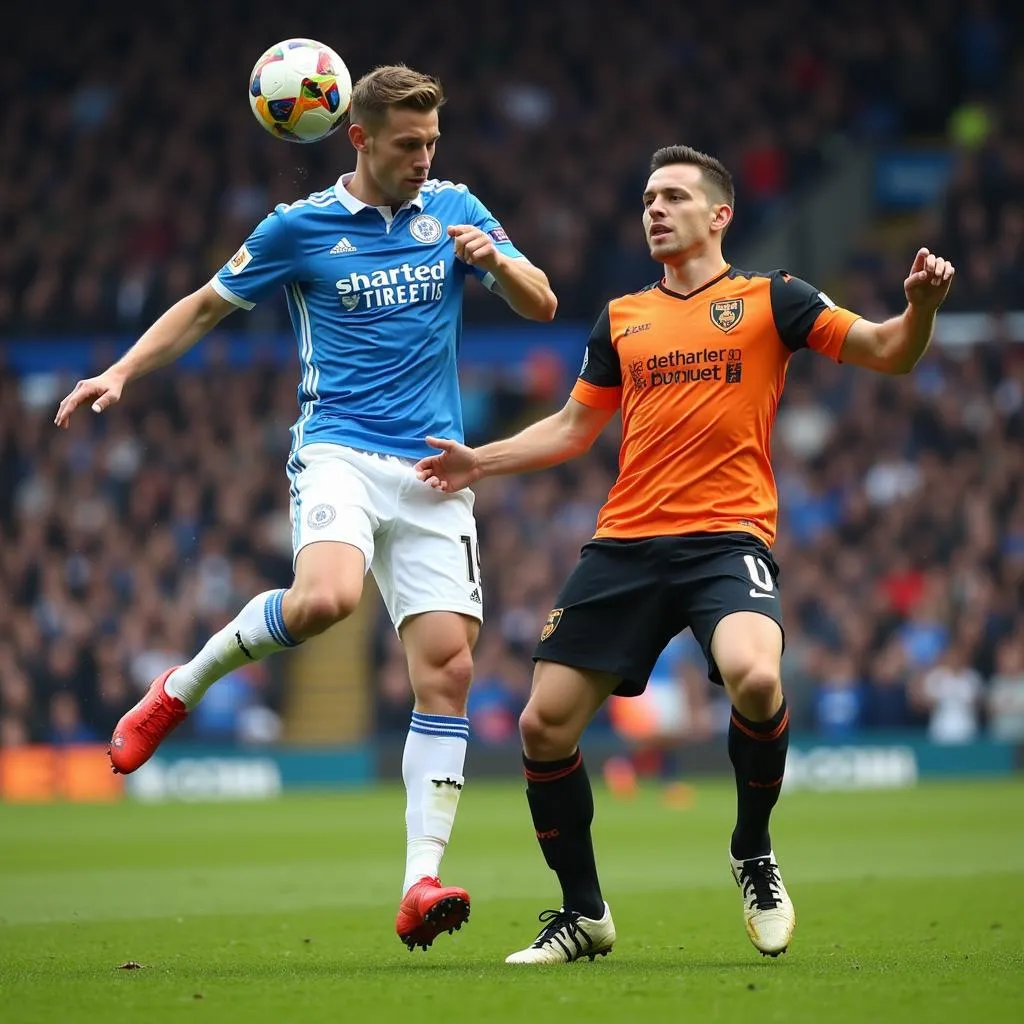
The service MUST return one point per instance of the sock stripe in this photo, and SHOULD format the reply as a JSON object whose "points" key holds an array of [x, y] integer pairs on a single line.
{"points": [[558, 773], [762, 736], [419, 716], [280, 631], [459, 734], [269, 622]]}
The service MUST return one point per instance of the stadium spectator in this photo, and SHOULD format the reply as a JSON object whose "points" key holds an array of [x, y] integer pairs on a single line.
{"points": [[532, 114], [902, 501]]}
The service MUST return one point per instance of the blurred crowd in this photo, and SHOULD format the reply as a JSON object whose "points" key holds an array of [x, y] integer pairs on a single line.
{"points": [[127, 540], [139, 167]]}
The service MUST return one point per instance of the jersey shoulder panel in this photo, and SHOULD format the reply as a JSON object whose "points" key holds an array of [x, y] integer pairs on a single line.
{"points": [[314, 201], [634, 308], [445, 198], [437, 186]]}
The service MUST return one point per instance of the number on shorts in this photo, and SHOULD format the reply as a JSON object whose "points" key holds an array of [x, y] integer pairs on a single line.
{"points": [[472, 558], [760, 574]]}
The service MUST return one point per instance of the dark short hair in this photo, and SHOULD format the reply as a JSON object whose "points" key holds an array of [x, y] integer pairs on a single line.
{"points": [[714, 172], [393, 85]]}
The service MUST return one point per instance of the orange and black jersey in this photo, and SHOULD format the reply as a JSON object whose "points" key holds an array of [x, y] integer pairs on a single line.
{"points": [[699, 378]]}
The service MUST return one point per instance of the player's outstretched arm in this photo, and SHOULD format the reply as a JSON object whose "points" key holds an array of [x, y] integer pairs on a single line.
{"points": [[171, 336], [897, 345], [522, 285], [548, 442]]}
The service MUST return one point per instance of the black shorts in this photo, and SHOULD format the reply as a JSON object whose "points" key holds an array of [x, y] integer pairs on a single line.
{"points": [[626, 599]]}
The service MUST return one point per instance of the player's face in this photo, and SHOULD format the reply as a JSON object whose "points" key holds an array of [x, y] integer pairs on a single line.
{"points": [[400, 151], [680, 217]]}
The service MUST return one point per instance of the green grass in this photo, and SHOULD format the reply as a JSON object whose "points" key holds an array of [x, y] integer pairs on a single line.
{"points": [[910, 906]]}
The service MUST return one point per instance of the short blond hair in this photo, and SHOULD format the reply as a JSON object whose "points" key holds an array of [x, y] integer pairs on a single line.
{"points": [[393, 85]]}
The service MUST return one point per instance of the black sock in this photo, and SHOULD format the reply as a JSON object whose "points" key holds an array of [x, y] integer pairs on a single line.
{"points": [[562, 805], [758, 754]]}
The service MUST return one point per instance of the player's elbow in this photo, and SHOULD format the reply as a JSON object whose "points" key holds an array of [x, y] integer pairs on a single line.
{"points": [[542, 307], [894, 363], [900, 365]]}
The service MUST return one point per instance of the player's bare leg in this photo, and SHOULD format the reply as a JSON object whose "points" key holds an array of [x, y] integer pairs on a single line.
{"points": [[438, 647], [747, 648], [562, 702], [328, 584]]}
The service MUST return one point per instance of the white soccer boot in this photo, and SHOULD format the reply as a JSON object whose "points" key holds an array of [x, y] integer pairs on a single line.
{"points": [[767, 908], [568, 936]]}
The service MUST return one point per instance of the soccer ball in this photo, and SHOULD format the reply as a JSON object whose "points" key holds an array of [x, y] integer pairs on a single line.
{"points": [[300, 90]]}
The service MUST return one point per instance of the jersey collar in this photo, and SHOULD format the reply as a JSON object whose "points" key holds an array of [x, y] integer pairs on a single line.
{"points": [[696, 291], [354, 205]]}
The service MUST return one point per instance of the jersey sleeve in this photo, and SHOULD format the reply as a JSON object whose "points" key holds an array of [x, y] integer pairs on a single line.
{"points": [[808, 318], [480, 217], [600, 379], [264, 263]]}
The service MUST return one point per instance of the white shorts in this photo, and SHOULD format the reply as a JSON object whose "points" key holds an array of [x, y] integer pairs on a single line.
{"points": [[420, 544]]}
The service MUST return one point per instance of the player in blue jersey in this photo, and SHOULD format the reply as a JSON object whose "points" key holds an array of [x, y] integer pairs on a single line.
{"points": [[373, 269]]}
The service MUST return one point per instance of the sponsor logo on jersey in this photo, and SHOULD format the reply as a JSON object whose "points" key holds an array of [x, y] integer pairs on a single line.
{"points": [[425, 229], [679, 367], [404, 285], [498, 234], [240, 260], [726, 313]]}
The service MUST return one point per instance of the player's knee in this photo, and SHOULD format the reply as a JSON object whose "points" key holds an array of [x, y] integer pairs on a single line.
{"points": [[313, 610], [443, 683], [754, 688], [545, 738]]}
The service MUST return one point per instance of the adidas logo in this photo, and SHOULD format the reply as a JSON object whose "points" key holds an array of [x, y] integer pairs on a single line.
{"points": [[344, 245], [475, 596]]}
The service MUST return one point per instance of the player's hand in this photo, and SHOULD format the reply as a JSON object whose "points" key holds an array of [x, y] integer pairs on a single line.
{"points": [[474, 246], [100, 392], [928, 284], [456, 467]]}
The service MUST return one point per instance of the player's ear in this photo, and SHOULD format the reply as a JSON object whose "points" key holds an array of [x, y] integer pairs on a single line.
{"points": [[721, 216], [357, 136]]}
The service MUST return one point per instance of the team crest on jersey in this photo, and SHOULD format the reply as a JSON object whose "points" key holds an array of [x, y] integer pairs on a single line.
{"points": [[554, 617], [240, 260], [321, 516], [425, 229], [726, 313]]}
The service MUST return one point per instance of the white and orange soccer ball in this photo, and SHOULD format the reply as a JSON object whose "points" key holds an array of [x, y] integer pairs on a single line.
{"points": [[300, 90]]}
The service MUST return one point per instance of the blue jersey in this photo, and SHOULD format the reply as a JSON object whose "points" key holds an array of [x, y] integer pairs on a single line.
{"points": [[375, 299]]}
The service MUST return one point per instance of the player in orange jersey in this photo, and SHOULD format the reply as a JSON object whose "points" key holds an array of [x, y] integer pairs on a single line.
{"points": [[696, 364]]}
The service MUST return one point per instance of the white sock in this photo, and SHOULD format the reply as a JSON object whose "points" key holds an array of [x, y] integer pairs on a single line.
{"points": [[257, 630], [435, 755]]}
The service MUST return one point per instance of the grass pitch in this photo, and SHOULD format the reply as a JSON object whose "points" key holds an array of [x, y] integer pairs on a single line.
{"points": [[910, 906]]}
